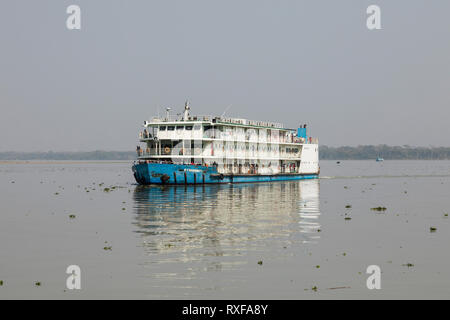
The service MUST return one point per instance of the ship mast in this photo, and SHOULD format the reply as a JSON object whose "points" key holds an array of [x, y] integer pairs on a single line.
{"points": [[186, 111]]}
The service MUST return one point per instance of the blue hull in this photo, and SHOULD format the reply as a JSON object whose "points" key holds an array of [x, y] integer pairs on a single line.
{"points": [[158, 173]]}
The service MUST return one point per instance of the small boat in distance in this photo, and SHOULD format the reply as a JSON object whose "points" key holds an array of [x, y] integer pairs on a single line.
{"points": [[204, 149], [379, 159]]}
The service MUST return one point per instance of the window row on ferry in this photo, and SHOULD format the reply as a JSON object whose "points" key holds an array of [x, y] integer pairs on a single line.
{"points": [[260, 167], [221, 132], [248, 134], [219, 150]]}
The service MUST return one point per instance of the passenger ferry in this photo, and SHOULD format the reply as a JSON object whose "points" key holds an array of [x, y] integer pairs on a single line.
{"points": [[205, 149]]}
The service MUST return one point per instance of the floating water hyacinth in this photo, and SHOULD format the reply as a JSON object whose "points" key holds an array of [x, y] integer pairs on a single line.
{"points": [[409, 265]]}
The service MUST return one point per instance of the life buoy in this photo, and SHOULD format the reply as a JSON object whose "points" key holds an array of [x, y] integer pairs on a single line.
{"points": [[167, 150]]}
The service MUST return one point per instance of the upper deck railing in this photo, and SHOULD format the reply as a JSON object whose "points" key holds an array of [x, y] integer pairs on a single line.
{"points": [[247, 122], [210, 118], [175, 118], [211, 134]]}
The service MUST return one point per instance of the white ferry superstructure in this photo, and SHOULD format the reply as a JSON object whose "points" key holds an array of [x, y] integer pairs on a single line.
{"points": [[205, 149]]}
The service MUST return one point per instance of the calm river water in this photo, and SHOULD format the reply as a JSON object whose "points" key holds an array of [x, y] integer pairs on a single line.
{"points": [[245, 241]]}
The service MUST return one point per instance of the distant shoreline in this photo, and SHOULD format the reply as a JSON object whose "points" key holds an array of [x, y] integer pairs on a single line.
{"points": [[60, 161], [44, 162], [71, 156], [367, 152]]}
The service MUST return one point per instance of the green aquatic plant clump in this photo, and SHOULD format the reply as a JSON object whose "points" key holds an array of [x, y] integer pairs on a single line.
{"points": [[409, 265], [379, 209]]}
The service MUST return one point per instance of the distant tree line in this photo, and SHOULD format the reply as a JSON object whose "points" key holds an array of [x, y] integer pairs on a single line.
{"points": [[50, 155], [384, 151], [326, 153]]}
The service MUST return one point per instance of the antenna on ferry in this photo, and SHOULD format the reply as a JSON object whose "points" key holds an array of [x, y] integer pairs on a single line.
{"points": [[167, 113], [186, 111], [226, 109]]}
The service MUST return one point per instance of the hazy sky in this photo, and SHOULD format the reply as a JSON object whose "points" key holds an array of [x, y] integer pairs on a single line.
{"points": [[290, 61]]}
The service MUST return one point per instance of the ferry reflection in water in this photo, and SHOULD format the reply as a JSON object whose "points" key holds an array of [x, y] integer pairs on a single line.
{"points": [[192, 223]]}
